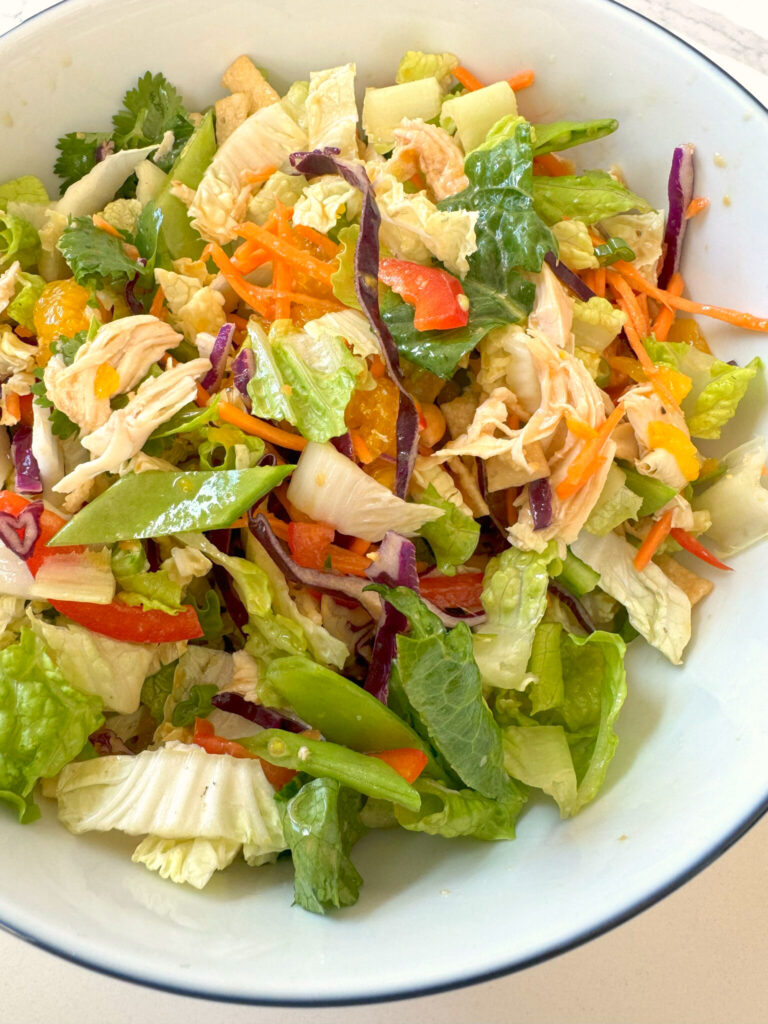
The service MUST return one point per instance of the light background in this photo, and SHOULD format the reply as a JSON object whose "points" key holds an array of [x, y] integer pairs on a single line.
{"points": [[696, 958]]}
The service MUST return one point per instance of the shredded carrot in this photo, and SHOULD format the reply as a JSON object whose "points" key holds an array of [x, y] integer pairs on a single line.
{"points": [[589, 459], [378, 369], [466, 78], [511, 510], [249, 257], [629, 303], [580, 429], [653, 540], [103, 225], [13, 405], [521, 80], [323, 242], [282, 276], [312, 301], [279, 528], [239, 321], [256, 297], [664, 320], [202, 398], [697, 205], [360, 546], [600, 282], [551, 165], [362, 451], [256, 177], [729, 316], [348, 562], [22, 332], [299, 258], [259, 428], [589, 277], [642, 301], [158, 305]]}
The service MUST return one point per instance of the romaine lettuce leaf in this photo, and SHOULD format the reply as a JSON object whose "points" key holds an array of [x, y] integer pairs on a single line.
{"points": [[302, 380], [29, 287], [343, 280], [415, 64], [452, 813], [27, 189], [156, 689], [321, 823], [438, 674], [44, 721], [566, 749], [18, 241], [575, 248], [616, 504], [514, 598], [717, 387], [589, 197], [453, 538], [738, 501], [596, 322], [560, 135]]}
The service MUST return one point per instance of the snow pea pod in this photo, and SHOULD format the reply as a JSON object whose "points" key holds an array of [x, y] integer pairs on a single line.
{"points": [[179, 236], [367, 775], [157, 504], [343, 712]]}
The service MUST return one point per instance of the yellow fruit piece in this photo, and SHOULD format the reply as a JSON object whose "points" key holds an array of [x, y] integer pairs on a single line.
{"points": [[106, 381], [687, 329], [60, 310], [373, 416], [676, 383], [673, 440]]}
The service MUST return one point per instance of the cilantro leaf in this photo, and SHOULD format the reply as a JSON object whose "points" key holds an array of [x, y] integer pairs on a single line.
{"points": [[77, 155], [61, 425], [149, 110], [95, 256], [68, 348]]}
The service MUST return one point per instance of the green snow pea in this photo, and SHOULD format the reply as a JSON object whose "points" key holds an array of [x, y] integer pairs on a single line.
{"points": [[654, 493], [367, 775], [157, 504], [179, 236], [343, 711]]}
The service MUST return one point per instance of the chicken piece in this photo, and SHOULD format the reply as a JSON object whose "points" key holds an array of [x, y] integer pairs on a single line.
{"points": [[8, 281], [552, 313], [431, 150], [231, 112], [15, 355], [129, 345], [264, 141], [695, 588], [243, 76], [644, 407], [182, 192], [126, 430]]}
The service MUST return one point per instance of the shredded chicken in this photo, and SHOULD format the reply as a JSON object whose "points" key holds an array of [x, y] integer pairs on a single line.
{"points": [[126, 430], [431, 150], [644, 407], [8, 281], [130, 346], [552, 313]]}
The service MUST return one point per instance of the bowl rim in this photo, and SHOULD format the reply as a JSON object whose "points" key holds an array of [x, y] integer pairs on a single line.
{"points": [[579, 939]]}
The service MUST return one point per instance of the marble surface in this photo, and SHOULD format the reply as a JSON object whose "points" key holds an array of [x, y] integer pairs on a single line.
{"points": [[698, 957]]}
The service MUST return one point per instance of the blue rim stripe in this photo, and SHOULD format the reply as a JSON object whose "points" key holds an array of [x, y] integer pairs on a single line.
{"points": [[500, 972]]}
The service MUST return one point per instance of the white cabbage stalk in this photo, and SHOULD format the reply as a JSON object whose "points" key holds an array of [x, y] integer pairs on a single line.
{"points": [[46, 450], [349, 324], [15, 578], [194, 861], [331, 110], [265, 140], [330, 488], [96, 188], [738, 501], [175, 792], [657, 608], [126, 431], [475, 113], [8, 281], [323, 201], [129, 345], [75, 576]]}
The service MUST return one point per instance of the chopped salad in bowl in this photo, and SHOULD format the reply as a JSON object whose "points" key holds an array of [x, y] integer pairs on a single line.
{"points": [[343, 453]]}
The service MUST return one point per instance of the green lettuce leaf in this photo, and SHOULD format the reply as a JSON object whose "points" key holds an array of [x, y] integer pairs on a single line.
{"points": [[343, 280], [157, 688], [302, 379], [27, 189], [415, 64], [44, 722], [452, 813], [738, 501], [616, 504], [717, 388], [21, 307], [151, 590], [321, 824], [566, 748], [560, 135], [226, 447], [453, 538], [596, 322], [588, 197], [18, 241], [514, 598], [196, 705], [438, 675]]}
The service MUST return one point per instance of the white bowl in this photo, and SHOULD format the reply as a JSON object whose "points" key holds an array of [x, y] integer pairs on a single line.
{"points": [[691, 772]]}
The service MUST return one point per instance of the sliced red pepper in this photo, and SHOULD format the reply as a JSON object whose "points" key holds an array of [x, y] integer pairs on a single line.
{"points": [[460, 591], [685, 540], [132, 623], [205, 737], [50, 524], [437, 297], [409, 762], [310, 544]]}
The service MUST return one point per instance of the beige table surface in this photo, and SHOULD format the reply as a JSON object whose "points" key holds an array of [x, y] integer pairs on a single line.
{"points": [[698, 957]]}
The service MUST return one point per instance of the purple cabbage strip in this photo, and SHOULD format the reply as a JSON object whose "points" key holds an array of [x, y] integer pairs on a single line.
{"points": [[28, 521], [569, 279], [680, 193], [315, 579], [24, 462], [243, 368], [104, 149], [395, 567], [326, 161], [493, 500], [574, 606], [237, 610], [219, 355], [471, 619], [343, 444], [235, 704], [106, 742], [540, 500], [130, 296]]}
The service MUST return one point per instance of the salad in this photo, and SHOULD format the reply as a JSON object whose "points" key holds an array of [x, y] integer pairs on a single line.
{"points": [[343, 453]]}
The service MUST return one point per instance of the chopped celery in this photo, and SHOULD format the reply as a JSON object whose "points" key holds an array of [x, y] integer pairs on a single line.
{"points": [[655, 494], [576, 576], [179, 236], [475, 113], [384, 109]]}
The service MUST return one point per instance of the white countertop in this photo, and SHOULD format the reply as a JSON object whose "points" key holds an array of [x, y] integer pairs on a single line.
{"points": [[699, 956]]}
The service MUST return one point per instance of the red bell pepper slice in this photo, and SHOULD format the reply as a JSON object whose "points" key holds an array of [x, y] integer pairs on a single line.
{"points": [[310, 544], [50, 524], [205, 737], [408, 762], [437, 297], [133, 623], [685, 540], [460, 591]]}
